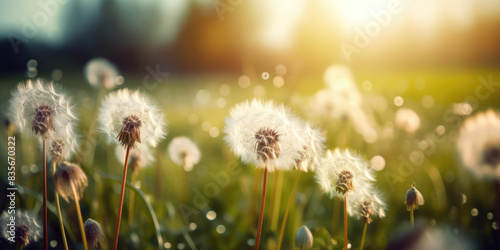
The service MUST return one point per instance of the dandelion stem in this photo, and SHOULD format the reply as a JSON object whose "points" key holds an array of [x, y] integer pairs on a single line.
{"points": [[59, 214], [183, 186], [287, 210], [45, 236], [261, 215], [363, 238], [252, 212], [80, 220], [345, 222], [124, 179], [411, 217], [270, 215], [277, 201]]}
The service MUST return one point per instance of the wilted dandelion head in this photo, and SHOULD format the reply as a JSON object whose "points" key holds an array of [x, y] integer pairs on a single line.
{"points": [[184, 152], [303, 238], [27, 228], [479, 144], [413, 199], [262, 133], [407, 120], [70, 176], [342, 173], [312, 151], [137, 159], [100, 72], [365, 205], [93, 232], [39, 107], [131, 119]]}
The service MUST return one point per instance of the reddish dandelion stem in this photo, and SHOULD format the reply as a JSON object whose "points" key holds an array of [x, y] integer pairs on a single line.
{"points": [[124, 179], [261, 215], [345, 222], [45, 236]]}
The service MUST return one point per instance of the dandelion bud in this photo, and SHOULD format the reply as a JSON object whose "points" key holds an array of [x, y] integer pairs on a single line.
{"points": [[267, 145], [303, 239], [67, 177], [93, 232], [130, 133], [57, 151], [43, 122], [413, 199], [344, 183]]}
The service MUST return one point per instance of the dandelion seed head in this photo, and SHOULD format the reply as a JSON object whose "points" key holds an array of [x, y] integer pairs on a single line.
{"points": [[262, 133], [67, 177], [365, 205], [56, 151], [100, 72], [303, 238], [479, 144], [312, 152], [407, 120], [414, 199], [343, 173], [39, 108], [131, 119], [184, 152], [27, 228], [93, 232]]}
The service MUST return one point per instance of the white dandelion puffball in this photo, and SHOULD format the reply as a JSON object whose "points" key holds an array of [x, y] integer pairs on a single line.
{"points": [[365, 205], [62, 145], [122, 107], [312, 152], [340, 80], [479, 144], [184, 152], [141, 155], [341, 172], [37, 107], [262, 134], [407, 120], [100, 72], [27, 227]]}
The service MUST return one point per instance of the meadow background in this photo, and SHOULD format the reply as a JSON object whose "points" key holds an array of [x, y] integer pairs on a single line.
{"points": [[434, 61]]}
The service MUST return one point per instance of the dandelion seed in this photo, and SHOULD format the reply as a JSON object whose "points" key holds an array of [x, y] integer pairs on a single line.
{"points": [[479, 144], [27, 228], [303, 238], [93, 232], [364, 206], [100, 72], [184, 152]]}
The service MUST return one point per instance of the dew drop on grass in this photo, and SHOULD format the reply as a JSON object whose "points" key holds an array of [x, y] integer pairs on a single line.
{"points": [[53, 243], [265, 75], [167, 245], [192, 226]]}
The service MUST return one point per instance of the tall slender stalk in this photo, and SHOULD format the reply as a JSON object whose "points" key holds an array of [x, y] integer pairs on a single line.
{"points": [[80, 220], [277, 201], [252, 211], [363, 239], [261, 215], [411, 217], [270, 214], [59, 214], [335, 217], [45, 236], [288, 209], [345, 222], [124, 179], [183, 186], [131, 200]]}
